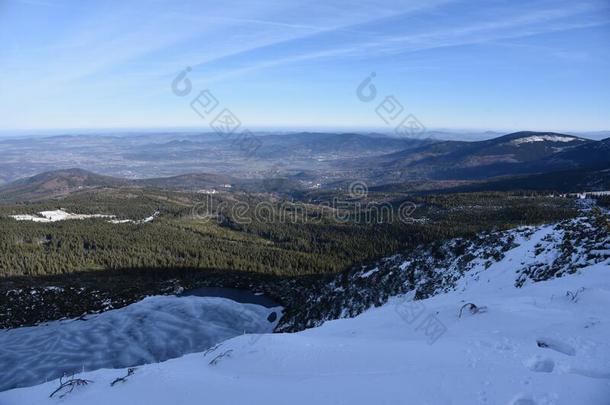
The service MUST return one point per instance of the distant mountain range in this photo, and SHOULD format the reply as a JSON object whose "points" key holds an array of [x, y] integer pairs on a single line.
{"points": [[513, 154], [288, 146], [521, 160]]}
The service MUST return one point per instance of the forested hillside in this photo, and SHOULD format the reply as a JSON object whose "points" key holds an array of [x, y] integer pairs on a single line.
{"points": [[179, 237]]}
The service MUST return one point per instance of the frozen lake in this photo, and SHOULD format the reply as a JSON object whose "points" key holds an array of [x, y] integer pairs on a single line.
{"points": [[152, 330]]}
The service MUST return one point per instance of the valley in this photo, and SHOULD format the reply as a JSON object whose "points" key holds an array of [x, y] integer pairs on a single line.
{"points": [[191, 161], [329, 235], [304, 202]]}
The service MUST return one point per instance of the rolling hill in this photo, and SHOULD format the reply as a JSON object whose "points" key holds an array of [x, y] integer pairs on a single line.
{"points": [[516, 153], [521, 160], [57, 184], [60, 183]]}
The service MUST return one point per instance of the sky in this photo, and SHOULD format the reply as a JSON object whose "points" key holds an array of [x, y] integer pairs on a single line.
{"points": [[471, 64]]}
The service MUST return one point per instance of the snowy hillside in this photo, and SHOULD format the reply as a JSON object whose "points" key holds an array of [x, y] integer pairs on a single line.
{"points": [[512, 317], [525, 255], [545, 343]]}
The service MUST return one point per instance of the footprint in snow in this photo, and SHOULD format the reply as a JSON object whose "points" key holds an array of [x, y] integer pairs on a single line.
{"points": [[589, 373], [557, 345], [522, 400], [540, 364]]}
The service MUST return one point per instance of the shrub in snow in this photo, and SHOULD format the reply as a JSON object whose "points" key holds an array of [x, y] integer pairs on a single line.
{"points": [[472, 308], [130, 372], [216, 359], [69, 385], [573, 296]]}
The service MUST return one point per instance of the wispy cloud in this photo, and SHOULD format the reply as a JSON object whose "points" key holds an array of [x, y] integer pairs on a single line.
{"points": [[492, 26], [111, 50], [39, 3]]}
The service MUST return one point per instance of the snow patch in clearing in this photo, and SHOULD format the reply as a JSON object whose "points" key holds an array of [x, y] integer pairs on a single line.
{"points": [[56, 215], [61, 215]]}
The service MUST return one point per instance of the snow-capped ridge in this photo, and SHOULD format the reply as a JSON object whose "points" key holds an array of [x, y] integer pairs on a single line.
{"points": [[545, 138]]}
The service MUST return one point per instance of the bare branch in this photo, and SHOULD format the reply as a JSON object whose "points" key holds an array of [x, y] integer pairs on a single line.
{"points": [[216, 359], [69, 385], [472, 308], [130, 372]]}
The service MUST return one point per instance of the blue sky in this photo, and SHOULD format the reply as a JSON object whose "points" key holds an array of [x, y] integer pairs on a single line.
{"points": [[503, 65]]}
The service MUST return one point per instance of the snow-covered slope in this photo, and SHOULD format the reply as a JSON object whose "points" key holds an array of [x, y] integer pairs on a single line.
{"points": [[545, 342], [531, 253]]}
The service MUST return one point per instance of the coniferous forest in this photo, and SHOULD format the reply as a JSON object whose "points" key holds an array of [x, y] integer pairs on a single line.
{"points": [[315, 242]]}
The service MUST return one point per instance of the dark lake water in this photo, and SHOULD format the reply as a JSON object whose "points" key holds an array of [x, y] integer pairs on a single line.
{"points": [[235, 294]]}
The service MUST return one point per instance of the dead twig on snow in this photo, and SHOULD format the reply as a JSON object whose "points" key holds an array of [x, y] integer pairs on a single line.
{"points": [[70, 384], [472, 308], [216, 359], [574, 296], [130, 372], [212, 349]]}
